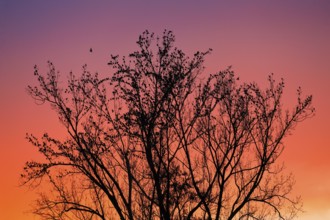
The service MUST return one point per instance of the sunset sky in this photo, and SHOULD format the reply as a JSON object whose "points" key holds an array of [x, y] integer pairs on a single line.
{"points": [[288, 38]]}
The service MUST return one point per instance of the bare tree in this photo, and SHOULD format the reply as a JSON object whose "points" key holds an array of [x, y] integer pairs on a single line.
{"points": [[155, 141]]}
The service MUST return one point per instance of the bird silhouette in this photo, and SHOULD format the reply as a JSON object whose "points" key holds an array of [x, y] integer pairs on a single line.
{"points": [[91, 50]]}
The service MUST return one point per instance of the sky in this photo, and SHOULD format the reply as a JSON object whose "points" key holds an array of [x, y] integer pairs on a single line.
{"points": [[288, 38]]}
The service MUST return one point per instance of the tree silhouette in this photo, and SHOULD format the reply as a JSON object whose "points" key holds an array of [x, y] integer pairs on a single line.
{"points": [[157, 141]]}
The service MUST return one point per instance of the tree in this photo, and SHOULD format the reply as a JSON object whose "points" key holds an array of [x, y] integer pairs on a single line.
{"points": [[156, 141]]}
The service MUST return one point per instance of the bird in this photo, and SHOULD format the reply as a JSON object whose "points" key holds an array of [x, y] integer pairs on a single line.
{"points": [[91, 50]]}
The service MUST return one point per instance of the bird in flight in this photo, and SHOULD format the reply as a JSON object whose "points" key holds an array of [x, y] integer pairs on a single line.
{"points": [[91, 50]]}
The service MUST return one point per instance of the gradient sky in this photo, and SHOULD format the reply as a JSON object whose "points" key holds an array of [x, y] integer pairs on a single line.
{"points": [[288, 38]]}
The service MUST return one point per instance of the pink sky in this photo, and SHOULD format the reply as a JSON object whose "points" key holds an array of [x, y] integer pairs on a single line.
{"points": [[288, 38]]}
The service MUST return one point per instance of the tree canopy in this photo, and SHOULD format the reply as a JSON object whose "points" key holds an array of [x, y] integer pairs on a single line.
{"points": [[161, 139]]}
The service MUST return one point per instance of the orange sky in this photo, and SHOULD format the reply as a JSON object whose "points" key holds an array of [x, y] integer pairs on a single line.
{"points": [[289, 38]]}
